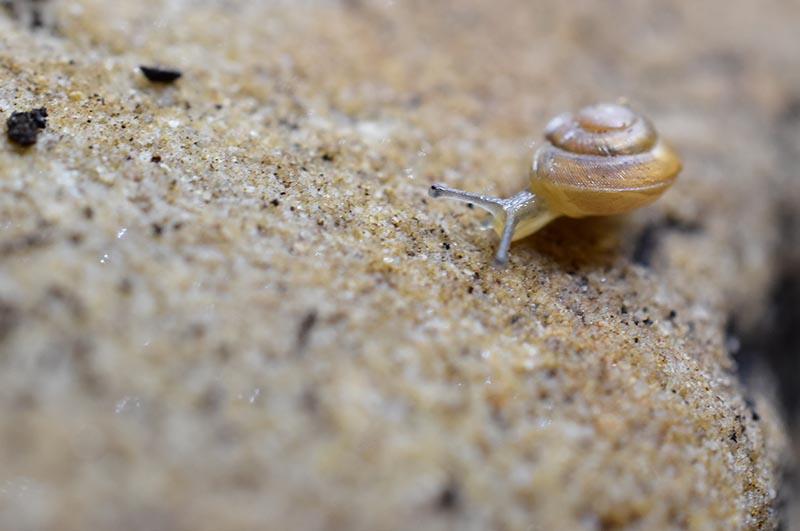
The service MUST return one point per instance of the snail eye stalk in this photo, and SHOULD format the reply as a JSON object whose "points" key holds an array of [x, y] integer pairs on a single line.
{"points": [[514, 217]]}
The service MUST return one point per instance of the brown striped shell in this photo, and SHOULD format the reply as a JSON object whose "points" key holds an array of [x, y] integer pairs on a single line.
{"points": [[605, 159]]}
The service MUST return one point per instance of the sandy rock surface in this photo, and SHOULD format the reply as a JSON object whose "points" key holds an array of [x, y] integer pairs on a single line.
{"points": [[227, 302]]}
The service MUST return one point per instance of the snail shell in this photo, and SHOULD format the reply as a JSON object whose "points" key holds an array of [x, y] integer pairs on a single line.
{"points": [[603, 160]]}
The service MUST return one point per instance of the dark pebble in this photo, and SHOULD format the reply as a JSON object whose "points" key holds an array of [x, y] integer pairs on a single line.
{"points": [[23, 127], [160, 75]]}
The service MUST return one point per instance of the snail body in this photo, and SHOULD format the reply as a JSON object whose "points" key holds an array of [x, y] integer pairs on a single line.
{"points": [[603, 160]]}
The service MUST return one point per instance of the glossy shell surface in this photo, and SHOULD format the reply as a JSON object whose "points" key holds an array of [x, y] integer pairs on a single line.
{"points": [[605, 159]]}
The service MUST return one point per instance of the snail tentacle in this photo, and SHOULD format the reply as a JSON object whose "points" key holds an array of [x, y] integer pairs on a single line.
{"points": [[501, 256], [491, 204], [525, 213], [514, 217]]}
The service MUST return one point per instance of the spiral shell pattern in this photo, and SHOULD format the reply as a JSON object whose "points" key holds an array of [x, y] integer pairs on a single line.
{"points": [[604, 159]]}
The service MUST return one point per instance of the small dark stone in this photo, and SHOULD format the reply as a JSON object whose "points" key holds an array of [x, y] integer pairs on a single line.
{"points": [[36, 19], [449, 497], [275, 202], [157, 229], [304, 330], [23, 127], [648, 321], [160, 75], [446, 245], [155, 158], [39, 117]]}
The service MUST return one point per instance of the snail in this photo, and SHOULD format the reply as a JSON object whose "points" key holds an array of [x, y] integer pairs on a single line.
{"points": [[603, 160]]}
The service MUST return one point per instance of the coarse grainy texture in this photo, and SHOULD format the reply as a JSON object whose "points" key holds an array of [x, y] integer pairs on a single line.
{"points": [[227, 302]]}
